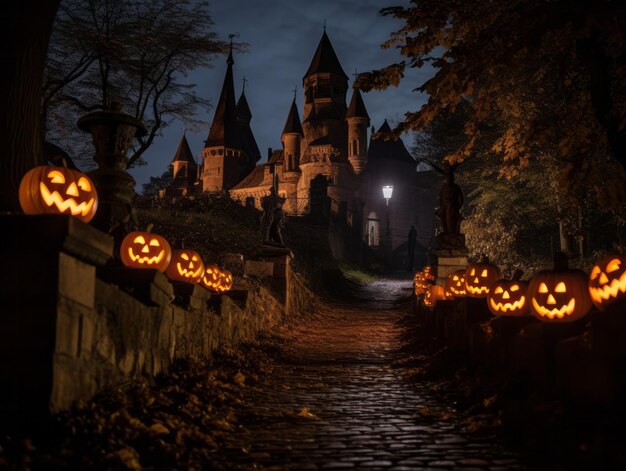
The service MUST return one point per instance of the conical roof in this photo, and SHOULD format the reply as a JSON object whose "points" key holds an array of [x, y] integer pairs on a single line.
{"points": [[224, 126], [292, 125], [325, 59], [184, 154], [390, 149], [243, 109], [357, 107]]}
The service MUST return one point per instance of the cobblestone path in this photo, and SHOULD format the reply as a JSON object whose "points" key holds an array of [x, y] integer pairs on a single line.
{"points": [[366, 415]]}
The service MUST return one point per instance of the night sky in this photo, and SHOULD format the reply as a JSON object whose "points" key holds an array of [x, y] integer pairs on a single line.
{"points": [[282, 36]]}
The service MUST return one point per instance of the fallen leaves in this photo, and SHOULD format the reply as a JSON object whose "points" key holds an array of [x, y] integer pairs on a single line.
{"points": [[307, 414]]}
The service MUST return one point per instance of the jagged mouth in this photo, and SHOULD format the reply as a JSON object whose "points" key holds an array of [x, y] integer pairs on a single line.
{"points": [[507, 307], [609, 290], [144, 259], [477, 289], [559, 313], [187, 273], [63, 205]]}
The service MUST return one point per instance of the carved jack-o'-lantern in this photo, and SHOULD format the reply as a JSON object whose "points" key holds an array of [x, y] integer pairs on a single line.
{"points": [[58, 190], [226, 281], [508, 297], [559, 295], [479, 277], [186, 265], [607, 281], [423, 280], [211, 277], [433, 294], [455, 285], [145, 250]]}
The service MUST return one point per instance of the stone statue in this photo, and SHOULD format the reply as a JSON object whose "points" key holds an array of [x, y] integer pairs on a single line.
{"points": [[273, 218], [450, 202]]}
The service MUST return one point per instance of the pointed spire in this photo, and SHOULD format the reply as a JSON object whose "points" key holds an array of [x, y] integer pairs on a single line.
{"points": [[325, 59], [384, 127], [357, 107], [292, 125], [243, 109], [223, 129], [184, 154]]}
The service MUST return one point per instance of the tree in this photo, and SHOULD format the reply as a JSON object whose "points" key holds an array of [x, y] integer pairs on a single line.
{"points": [[137, 53], [550, 73], [158, 183], [24, 37]]}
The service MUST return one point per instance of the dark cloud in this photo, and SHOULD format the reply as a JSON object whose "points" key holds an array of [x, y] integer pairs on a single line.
{"points": [[282, 36]]}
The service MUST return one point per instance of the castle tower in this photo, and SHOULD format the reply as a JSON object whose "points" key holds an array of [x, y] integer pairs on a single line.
{"points": [[291, 139], [325, 86], [230, 151], [184, 171], [358, 122]]}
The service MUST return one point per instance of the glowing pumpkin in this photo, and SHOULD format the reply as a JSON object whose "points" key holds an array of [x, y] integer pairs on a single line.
{"points": [[225, 281], [423, 280], [479, 277], [607, 281], [186, 265], [508, 297], [559, 295], [58, 190], [145, 250], [455, 285], [211, 278], [433, 294]]}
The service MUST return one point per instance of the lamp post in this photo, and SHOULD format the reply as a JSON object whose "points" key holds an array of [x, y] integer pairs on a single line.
{"points": [[387, 192]]}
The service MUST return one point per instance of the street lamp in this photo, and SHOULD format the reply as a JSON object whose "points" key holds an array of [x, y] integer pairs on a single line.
{"points": [[387, 192]]}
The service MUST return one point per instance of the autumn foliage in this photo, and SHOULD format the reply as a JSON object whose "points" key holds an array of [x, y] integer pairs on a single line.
{"points": [[542, 78]]}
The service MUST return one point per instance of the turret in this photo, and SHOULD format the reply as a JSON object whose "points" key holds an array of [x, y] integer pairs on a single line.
{"points": [[291, 139], [358, 122]]}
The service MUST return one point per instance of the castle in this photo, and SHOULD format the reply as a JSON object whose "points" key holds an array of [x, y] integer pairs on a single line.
{"points": [[329, 147]]}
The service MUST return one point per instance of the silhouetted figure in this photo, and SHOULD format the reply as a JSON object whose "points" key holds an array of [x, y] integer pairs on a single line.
{"points": [[412, 244], [273, 218], [450, 202]]}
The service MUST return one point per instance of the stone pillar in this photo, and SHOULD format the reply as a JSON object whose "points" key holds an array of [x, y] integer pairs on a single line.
{"points": [[112, 132], [450, 254], [47, 285]]}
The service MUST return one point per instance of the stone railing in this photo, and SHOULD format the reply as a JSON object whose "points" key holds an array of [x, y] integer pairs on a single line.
{"points": [[71, 326]]}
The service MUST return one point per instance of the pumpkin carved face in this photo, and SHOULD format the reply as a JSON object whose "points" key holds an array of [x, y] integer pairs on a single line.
{"points": [[479, 277], [607, 281], [433, 294], [508, 298], [559, 295], [455, 285], [186, 265], [145, 250], [211, 278], [58, 190], [225, 281]]}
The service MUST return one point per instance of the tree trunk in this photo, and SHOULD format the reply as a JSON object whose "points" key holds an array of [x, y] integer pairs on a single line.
{"points": [[25, 31]]}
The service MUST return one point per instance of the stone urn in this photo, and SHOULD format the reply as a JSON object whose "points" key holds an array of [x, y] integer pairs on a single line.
{"points": [[113, 132]]}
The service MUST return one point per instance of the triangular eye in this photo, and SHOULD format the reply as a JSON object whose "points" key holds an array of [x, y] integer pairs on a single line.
{"points": [[56, 177], [560, 288], [473, 272], [498, 290], [139, 240], [543, 288], [484, 273], [184, 256], [154, 243], [455, 278], [613, 265], [514, 288]]}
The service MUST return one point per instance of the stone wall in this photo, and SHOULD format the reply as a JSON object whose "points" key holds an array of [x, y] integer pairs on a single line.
{"points": [[73, 327]]}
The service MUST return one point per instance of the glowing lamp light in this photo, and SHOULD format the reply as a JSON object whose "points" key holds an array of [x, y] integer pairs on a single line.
{"points": [[387, 192]]}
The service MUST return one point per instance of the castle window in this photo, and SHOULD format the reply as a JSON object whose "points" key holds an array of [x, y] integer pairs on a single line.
{"points": [[355, 147], [218, 171], [213, 152], [220, 151]]}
